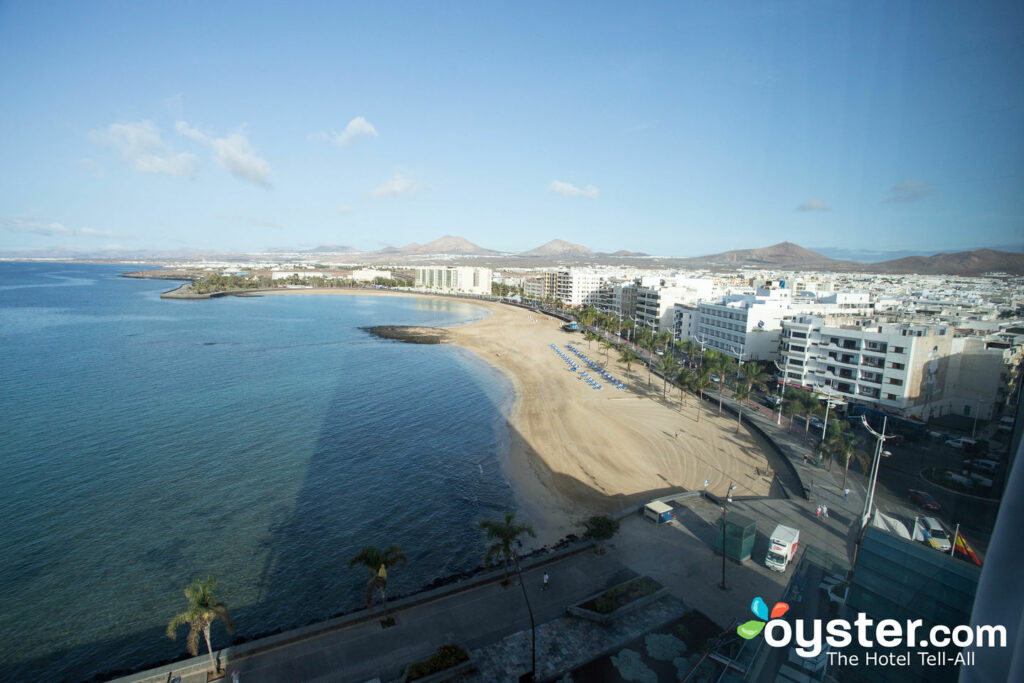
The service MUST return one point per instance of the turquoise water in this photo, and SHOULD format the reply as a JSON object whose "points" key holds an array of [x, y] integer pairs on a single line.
{"points": [[144, 443]]}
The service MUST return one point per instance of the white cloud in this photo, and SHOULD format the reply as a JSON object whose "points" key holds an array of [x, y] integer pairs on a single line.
{"points": [[570, 190], [398, 185], [141, 146], [356, 128], [346, 209], [233, 153], [908, 191], [813, 205], [45, 228]]}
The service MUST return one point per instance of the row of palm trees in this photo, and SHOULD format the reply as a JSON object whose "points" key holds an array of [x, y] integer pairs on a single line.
{"points": [[203, 609]]}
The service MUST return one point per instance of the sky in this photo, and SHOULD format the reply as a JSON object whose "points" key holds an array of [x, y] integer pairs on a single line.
{"points": [[675, 129]]}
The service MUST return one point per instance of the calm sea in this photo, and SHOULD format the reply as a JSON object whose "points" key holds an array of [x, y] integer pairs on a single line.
{"points": [[263, 441]]}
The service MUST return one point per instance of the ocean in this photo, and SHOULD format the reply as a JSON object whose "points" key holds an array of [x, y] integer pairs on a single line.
{"points": [[263, 441]]}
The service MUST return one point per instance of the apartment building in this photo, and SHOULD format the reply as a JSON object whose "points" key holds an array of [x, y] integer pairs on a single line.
{"points": [[684, 321], [462, 279], [902, 368], [540, 286], [618, 299], [578, 286]]}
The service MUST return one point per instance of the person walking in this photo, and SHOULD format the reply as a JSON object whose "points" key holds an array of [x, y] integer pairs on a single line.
{"points": [[824, 511], [846, 494], [234, 676], [547, 583], [817, 513]]}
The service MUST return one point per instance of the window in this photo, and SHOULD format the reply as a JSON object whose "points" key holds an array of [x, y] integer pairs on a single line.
{"points": [[896, 382], [898, 366], [890, 397], [899, 349]]}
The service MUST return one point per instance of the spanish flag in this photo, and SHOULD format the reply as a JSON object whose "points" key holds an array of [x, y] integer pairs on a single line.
{"points": [[961, 547]]}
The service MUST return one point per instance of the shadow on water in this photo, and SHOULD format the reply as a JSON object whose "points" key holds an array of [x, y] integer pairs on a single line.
{"points": [[324, 529]]}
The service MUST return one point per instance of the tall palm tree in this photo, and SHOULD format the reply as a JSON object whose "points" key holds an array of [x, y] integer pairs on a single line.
{"points": [[684, 380], [755, 375], [202, 611], [700, 380], [720, 365], [627, 356], [605, 344], [742, 394], [649, 344], [841, 442], [377, 562], [505, 535], [666, 366]]}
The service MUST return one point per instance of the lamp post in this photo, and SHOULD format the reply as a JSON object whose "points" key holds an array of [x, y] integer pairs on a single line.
{"points": [[828, 404], [728, 499], [782, 387], [869, 500], [977, 410], [530, 677]]}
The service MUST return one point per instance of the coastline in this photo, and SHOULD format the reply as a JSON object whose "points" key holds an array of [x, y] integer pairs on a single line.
{"points": [[575, 451]]}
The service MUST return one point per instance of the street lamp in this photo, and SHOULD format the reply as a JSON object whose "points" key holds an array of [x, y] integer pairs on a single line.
{"points": [[782, 387], [828, 404], [728, 499], [869, 500]]}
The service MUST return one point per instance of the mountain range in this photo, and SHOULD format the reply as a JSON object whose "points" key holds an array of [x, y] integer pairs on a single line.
{"points": [[453, 249]]}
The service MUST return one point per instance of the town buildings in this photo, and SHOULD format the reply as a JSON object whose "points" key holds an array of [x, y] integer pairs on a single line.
{"points": [[462, 279]]}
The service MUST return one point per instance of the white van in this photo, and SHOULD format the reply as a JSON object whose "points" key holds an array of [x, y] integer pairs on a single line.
{"points": [[937, 533]]}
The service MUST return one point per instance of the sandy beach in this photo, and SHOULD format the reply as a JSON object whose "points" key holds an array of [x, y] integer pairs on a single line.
{"points": [[577, 451]]}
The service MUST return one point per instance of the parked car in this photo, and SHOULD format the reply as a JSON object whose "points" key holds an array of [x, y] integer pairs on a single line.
{"points": [[923, 499], [962, 442], [772, 401], [988, 466], [978, 479], [817, 423], [954, 478], [938, 536]]}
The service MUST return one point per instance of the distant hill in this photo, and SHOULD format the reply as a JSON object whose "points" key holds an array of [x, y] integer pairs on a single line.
{"points": [[559, 249], [973, 262], [449, 244], [622, 253], [782, 255], [330, 249]]}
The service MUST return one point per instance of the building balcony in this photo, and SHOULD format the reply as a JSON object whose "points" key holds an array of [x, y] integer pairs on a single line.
{"points": [[872, 363]]}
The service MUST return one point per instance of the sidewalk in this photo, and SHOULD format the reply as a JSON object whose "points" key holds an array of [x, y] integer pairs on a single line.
{"points": [[365, 650]]}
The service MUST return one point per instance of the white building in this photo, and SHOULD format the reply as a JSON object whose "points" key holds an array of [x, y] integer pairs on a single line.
{"points": [[369, 274], [463, 279], [902, 368], [578, 286], [744, 326], [684, 321]]}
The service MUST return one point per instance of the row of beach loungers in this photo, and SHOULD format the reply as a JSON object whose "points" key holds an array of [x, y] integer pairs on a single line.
{"points": [[597, 368], [573, 367]]}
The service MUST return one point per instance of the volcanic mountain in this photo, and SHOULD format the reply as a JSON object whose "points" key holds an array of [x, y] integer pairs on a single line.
{"points": [[559, 249]]}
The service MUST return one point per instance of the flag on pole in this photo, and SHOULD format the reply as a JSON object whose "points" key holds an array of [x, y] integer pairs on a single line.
{"points": [[964, 549]]}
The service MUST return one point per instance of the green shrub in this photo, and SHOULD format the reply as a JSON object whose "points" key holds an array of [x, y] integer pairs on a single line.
{"points": [[600, 528], [446, 657]]}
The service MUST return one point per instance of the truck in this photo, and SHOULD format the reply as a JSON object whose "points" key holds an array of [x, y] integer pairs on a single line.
{"points": [[782, 546]]}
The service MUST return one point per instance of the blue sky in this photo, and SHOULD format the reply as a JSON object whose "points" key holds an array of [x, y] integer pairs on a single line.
{"points": [[676, 129]]}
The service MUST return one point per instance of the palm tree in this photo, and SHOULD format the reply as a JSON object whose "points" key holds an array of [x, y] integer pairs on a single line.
{"points": [[377, 562], [700, 381], [684, 378], [201, 613], [720, 364], [648, 344], [841, 442], [755, 375], [627, 356], [667, 366], [504, 535], [741, 394], [605, 344]]}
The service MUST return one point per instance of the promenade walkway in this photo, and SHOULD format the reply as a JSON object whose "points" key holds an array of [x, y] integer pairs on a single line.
{"points": [[358, 649]]}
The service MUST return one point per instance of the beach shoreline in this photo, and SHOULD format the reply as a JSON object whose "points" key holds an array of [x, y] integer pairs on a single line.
{"points": [[576, 451]]}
